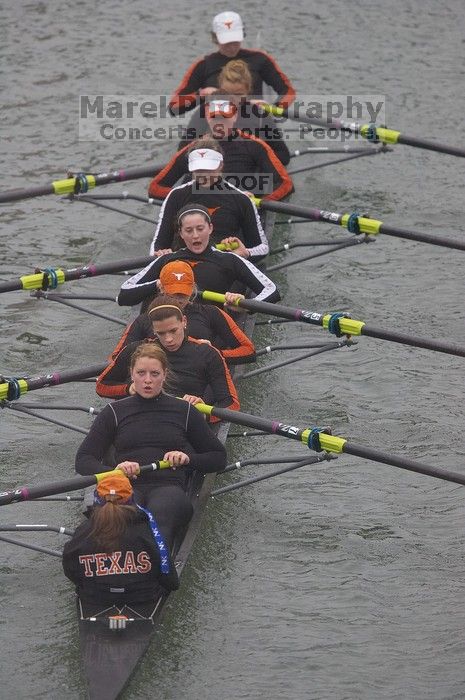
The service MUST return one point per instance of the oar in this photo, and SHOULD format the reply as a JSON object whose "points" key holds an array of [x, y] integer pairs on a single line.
{"points": [[13, 387], [75, 483], [339, 324], [50, 278], [357, 224], [320, 439], [80, 183], [371, 132]]}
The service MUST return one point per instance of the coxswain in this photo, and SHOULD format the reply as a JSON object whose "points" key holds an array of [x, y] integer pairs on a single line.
{"points": [[214, 270], [204, 321], [147, 427], [233, 214], [201, 78], [118, 555], [244, 156], [199, 374], [235, 84]]}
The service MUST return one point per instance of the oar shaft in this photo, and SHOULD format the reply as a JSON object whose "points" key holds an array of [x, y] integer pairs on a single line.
{"points": [[431, 145], [37, 279], [347, 326], [258, 422], [328, 442], [371, 132], [69, 185], [414, 341], [52, 379], [431, 239], [28, 493], [402, 463], [366, 225]]}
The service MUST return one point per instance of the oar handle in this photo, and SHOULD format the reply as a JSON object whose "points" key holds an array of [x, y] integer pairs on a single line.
{"points": [[227, 246]]}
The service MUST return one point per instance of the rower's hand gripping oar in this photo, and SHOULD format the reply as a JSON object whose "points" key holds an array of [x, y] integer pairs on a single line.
{"points": [[28, 493], [321, 439], [339, 324], [371, 132], [357, 224]]}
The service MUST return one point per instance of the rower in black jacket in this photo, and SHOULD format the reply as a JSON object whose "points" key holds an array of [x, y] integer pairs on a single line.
{"points": [[214, 270], [149, 426], [233, 214], [201, 78], [115, 556]]}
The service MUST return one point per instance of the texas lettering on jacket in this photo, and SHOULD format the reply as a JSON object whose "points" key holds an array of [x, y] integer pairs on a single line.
{"points": [[110, 564]]}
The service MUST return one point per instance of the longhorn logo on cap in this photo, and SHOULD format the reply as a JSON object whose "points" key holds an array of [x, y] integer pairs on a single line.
{"points": [[178, 275]]}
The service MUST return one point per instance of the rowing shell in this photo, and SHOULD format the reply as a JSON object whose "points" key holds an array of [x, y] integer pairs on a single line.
{"points": [[113, 640]]}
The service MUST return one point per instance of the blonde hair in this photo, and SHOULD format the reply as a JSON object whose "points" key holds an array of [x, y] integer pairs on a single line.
{"points": [[236, 71]]}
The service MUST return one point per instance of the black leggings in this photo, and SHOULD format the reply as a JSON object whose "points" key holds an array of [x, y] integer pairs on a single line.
{"points": [[169, 505]]}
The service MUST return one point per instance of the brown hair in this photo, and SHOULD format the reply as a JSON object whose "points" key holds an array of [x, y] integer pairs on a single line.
{"points": [[152, 350], [236, 71], [110, 521], [164, 307]]}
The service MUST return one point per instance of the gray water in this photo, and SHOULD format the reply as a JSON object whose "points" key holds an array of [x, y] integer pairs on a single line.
{"points": [[338, 581]]}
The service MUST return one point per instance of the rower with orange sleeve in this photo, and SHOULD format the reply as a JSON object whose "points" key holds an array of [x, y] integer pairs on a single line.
{"points": [[201, 78], [244, 155], [204, 321], [147, 426], [235, 83], [232, 213], [198, 373]]}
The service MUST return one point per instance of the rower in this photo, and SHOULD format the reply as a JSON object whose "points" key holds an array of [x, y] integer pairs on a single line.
{"points": [[148, 426], [233, 213], [214, 270], [115, 557], [244, 157], [201, 78], [198, 373], [235, 83], [204, 321]]}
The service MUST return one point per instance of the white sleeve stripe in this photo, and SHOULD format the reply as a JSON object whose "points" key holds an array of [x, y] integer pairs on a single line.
{"points": [[269, 286], [134, 280], [161, 214], [263, 248]]}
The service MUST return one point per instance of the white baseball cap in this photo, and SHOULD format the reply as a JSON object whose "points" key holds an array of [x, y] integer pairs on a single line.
{"points": [[204, 159], [221, 108], [228, 27]]}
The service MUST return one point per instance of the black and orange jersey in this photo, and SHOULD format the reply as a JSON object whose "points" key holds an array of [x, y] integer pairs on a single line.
{"points": [[143, 430], [204, 321], [196, 368], [242, 154], [232, 213], [213, 269], [205, 71], [251, 120]]}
